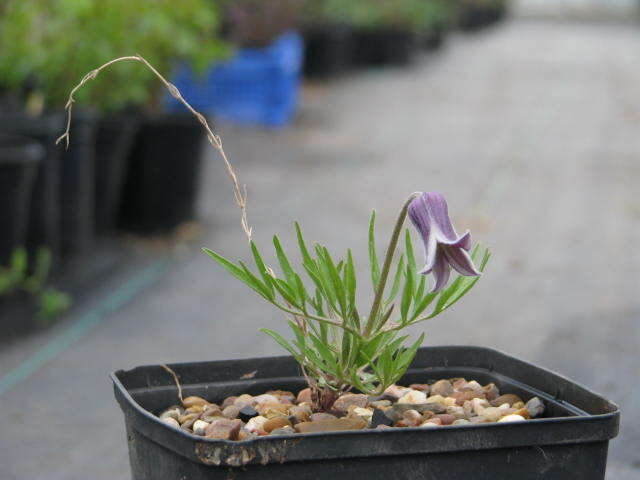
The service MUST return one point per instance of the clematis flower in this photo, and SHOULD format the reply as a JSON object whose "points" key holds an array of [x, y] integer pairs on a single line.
{"points": [[443, 247]]}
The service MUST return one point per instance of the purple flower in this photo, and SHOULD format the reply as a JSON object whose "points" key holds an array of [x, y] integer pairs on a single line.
{"points": [[443, 247]]}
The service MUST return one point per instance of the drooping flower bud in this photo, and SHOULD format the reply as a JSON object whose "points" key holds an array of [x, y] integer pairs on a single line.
{"points": [[443, 247]]}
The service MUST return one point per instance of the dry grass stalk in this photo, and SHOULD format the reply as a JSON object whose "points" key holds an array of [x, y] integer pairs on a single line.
{"points": [[215, 141]]}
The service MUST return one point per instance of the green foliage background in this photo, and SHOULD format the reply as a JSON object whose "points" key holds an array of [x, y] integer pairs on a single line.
{"points": [[59, 41]]}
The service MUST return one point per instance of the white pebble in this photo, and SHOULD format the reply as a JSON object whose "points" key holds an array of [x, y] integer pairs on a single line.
{"points": [[479, 404], [413, 397], [255, 423], [171, 421], [461, 421], [199, 427], [512, 418]]}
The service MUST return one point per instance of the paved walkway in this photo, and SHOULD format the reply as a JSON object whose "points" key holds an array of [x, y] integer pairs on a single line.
{"points": [[530, 130]]}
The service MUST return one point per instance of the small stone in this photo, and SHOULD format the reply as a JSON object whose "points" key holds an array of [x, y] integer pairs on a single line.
{"points": [[479, 404], [478, 419], [210, 413], [458, 383], [445, 418], [223, 428], [492, 414], [396, 411], [244, 399], [535, 407], [396, 392], [449, 401], [511, 418], [442, 388], [304, 396], [171, 412], [171, 421], [428, 424], [381, 404], [256, 424], [491, 392], [423, 387], [509, 398], [245, 434], [188, 425], [275, 410], [189, 416], [195, 409], [287, 430], [518, 405], [300, 413], [331, 425], [379, 418], [467, 395], [434, 421], [474, 385], [461, 421], [347, 400], [265, 399], [523, 412], [228, 401], [410, 418], [274, 423], [283, 395], [439, 399], [232, 411], [199, 427], [413, 397], [467, 406], [192, 401], [315, 417], [247, 412], [364, 413], [456, 411]]}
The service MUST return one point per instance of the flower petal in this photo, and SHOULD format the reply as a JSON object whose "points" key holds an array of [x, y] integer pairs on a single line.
{"points": [[441, 272], [461, 242], [461, 261], [438, 211]]}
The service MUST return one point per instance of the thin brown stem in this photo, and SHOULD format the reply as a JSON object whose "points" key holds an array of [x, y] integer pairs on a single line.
{"points": [[240, 194], [175, 379]]}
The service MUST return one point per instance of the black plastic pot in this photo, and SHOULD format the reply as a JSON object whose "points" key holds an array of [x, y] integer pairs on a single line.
{"points": [[162, 181], [328, 50], [44, 218], [114, 138], [77, 185], [382, 47], [19, 160], [571, 442]]}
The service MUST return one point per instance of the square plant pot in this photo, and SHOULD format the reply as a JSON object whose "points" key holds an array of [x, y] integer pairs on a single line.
{"points": [[570, 441]]}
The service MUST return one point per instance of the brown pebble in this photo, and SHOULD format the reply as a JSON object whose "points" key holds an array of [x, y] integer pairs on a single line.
{"points": [[223, 428], [276, 422], [315, 417], [300, 413], [289, 397], [331, 425], [228, 401], [445, 418], [189, 416], [304, 396], [347, 400], [192, 401], [491, 392], [442, 388], [286, 430], [523, 412], [195, 409], [423, 387], [232, 411], [509, 398]]}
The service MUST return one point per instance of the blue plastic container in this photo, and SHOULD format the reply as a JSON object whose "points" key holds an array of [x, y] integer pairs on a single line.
{"points": [[258, 86]]}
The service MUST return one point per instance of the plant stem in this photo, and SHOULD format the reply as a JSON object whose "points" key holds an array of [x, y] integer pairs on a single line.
{"points": [[393, 244]]}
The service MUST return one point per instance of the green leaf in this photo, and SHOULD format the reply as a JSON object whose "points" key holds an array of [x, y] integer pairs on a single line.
{"points": [[284, 261], [281, 341], [226, 264], [350, 280], [408, 248], [407, 295], [373, 256], [262, 268], [306, 257]]}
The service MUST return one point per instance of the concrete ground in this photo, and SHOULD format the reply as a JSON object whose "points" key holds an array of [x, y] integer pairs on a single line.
{"points": [[530, 130]]}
